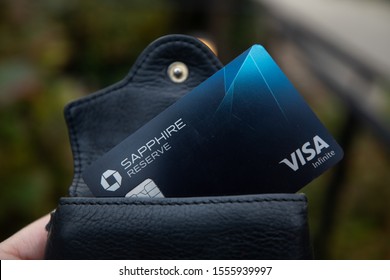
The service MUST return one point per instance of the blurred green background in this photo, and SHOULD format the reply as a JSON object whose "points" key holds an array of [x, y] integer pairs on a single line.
{"points": [[55, 51]]}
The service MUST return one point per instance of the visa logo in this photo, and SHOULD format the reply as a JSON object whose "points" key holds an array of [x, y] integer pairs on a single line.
{"points": [[306, 153]]}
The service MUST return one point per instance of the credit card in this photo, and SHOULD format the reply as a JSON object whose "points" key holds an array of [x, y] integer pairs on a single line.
{"points": [[245, 130]]}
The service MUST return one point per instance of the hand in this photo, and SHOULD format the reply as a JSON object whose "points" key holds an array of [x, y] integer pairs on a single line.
{"points": [[28, 243]]}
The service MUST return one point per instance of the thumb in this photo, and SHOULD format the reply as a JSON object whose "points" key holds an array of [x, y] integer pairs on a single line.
{"points": [[28, 243]]}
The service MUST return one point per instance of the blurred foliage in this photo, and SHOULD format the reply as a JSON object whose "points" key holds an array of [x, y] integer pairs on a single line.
{"points": [[55, 51]]}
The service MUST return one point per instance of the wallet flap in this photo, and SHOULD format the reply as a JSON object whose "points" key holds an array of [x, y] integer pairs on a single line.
{"points": [[271, 226], [101, 120]]}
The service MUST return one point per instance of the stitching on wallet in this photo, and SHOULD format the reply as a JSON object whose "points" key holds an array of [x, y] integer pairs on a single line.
{"points": [[121, 84], [182, 203]]}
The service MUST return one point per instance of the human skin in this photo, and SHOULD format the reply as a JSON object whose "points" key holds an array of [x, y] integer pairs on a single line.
{"points": [[26, 244]]}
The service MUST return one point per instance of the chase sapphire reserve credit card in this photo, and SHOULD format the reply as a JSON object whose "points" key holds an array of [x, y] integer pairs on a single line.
{"points": [[245, 130]]}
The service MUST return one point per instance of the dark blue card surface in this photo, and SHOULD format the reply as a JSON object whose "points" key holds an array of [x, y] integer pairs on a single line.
{"points": [[245, 130]]}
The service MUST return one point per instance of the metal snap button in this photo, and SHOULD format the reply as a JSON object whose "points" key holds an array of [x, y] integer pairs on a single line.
{"points": [[178, 72]]}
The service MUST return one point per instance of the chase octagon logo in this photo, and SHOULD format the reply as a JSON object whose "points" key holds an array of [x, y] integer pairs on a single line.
{"points": [[111, 180]]}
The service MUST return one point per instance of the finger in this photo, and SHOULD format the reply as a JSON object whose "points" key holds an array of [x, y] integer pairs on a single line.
{"points": [[28, 243]]}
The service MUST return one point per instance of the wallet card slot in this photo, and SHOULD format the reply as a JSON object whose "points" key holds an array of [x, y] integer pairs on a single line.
{"points": [[271, 226]]}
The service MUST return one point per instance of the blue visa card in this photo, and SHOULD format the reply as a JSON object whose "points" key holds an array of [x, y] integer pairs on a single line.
{"points": [[245, 130]]}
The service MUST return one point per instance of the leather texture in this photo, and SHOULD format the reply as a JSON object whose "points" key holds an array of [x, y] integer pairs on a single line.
{"points": [[270, 226], [100, 121]]}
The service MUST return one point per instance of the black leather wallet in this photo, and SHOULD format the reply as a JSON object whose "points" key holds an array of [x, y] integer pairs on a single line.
{"points": [[263, 226]]}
